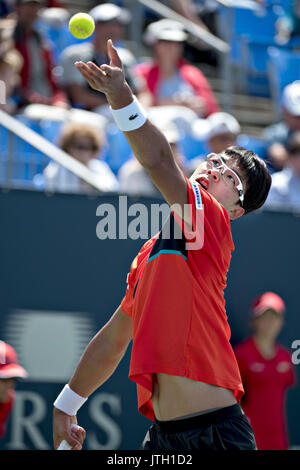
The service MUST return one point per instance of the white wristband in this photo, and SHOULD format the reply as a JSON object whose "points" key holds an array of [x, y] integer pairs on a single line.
{"points": [[69, 401], [130, 117]]}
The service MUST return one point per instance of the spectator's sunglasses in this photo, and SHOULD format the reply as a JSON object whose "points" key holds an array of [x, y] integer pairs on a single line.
{"points": [[216, 162]]}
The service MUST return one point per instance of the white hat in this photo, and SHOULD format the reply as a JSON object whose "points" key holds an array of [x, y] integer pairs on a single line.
{"points": [[221, 123], [110, 12], [291, 98], [165, 30]]}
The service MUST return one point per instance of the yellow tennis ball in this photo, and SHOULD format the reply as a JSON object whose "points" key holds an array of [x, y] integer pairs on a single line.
{"points": [[81, 25]]}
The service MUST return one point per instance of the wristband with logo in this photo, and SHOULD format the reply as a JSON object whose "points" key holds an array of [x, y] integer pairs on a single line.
{"points": [[130, 117]]}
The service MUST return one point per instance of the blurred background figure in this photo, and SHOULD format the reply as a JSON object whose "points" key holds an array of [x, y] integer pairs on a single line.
{"points": [[84, 143], [169, 79], [221, 131], [285, 189], [204, 14], [267, 373], [6, 7], [10, 371], [191, 9], [288, 25], [10, 66], [38, 84], [110, 21], [278, 134], [133, 178]]}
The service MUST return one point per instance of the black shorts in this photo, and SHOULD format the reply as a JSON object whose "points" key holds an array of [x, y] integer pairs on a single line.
{"points": [[224, 429]]}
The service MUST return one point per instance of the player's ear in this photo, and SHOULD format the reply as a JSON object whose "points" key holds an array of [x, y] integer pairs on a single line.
{"points": [[237, 212]]}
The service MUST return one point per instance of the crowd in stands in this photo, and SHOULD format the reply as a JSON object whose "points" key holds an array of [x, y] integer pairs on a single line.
{"points": [[38, 69]]}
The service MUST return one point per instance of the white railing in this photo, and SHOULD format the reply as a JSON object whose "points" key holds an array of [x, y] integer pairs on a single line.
{"points": [[247, 4], [50, 150]]}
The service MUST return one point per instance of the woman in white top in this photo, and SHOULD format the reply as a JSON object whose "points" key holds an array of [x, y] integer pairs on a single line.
{"points": [[83, 142]]}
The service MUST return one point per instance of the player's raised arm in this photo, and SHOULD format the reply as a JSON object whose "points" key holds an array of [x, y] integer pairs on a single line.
{"points": [[148, 144]]}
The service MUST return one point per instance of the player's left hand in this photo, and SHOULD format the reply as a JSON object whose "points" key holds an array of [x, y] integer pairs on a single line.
{"points": [[108, 79]]}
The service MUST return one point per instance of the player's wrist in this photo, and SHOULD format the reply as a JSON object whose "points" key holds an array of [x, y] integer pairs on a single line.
{"points": [[120, 98], [130, 117], [68, 401]]}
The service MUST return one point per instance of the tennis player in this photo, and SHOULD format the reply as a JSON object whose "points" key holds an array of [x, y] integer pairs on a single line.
{"points": [[187, 377]]}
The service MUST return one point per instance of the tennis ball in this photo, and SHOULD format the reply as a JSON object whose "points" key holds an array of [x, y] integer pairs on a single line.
{"points": [[81, 25]]}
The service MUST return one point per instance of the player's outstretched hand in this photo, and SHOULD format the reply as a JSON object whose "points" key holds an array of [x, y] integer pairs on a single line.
{"points": [[108, 79], [62, 430]]}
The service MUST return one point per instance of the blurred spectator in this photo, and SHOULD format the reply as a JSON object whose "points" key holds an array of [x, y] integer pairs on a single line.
{"points": [[267, 372], [82, 142], [133, 178], [110, 21], [190, 9], [170, 80], [10, 65], [220, 131], [53, 25], [285, 188], [10, 370], [278, 134], [288, 24], [6, 8], [38, 84], [223, 131], [204, 14]]}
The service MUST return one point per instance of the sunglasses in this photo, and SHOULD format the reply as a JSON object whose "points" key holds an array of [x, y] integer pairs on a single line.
{"points": [[90, 148]]}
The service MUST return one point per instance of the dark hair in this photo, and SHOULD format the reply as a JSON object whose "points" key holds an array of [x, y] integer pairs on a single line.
{"points": [[258, 179], [293, 144]]}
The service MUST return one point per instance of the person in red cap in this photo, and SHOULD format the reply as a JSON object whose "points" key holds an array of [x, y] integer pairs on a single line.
{"points": [[267, 372], [10, 370]]}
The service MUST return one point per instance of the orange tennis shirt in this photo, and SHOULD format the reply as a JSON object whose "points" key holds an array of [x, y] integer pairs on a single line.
{"points": [[175, 296]]}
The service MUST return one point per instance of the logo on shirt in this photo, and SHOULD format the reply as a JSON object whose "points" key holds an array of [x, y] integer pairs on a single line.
{"points": [[283, 366], [132, 117], [257, 367], [198, 199]]}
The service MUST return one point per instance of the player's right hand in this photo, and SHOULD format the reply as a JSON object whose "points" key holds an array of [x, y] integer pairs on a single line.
{"points": [[62, 430]]}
